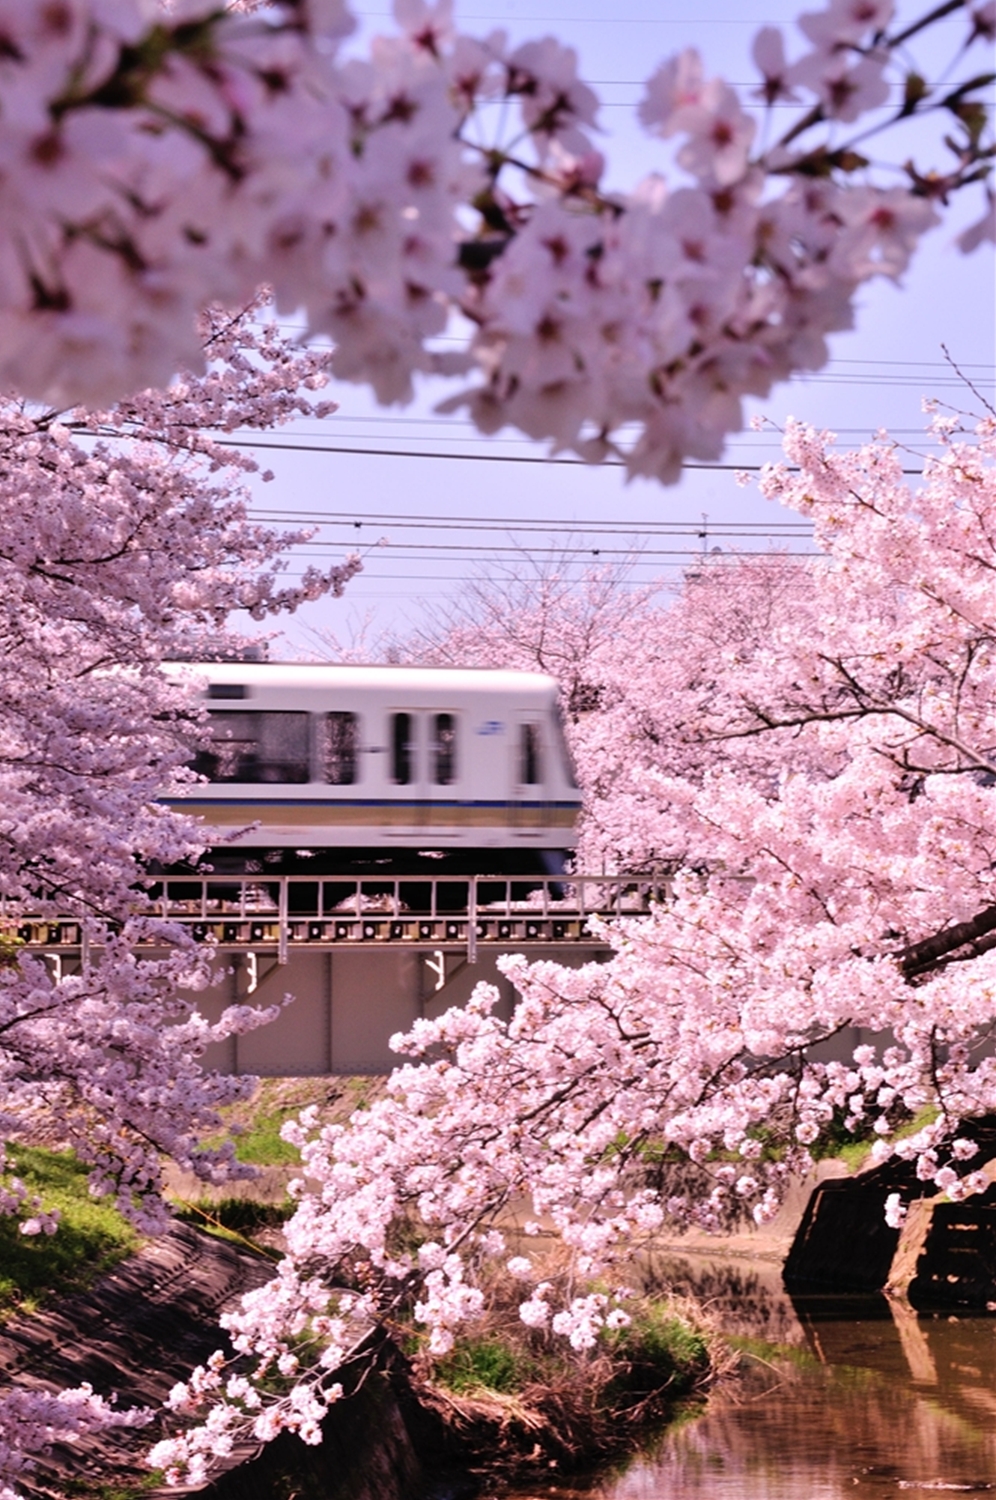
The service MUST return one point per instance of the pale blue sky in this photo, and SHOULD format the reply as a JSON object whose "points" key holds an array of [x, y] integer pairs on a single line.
{"points": [[877, 376]]}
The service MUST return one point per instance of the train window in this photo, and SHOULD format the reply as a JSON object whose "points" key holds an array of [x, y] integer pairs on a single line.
{"points": [[402, 748], [530, 760], [338, 744], [444, 748], [256, 747]]}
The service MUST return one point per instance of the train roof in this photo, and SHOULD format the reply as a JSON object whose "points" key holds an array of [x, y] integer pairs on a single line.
{"points": [[385, 677]]}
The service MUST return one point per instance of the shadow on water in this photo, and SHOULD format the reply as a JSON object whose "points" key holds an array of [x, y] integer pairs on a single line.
{"points": [[837, 1396]]}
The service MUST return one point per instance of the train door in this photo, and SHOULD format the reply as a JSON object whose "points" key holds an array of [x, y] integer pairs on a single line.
{"points": [[424, 752], [530, 751], [405, 764], [443, 745]]}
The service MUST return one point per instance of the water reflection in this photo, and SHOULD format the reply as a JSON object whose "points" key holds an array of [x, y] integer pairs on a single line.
{"points": [[871, 1401]]}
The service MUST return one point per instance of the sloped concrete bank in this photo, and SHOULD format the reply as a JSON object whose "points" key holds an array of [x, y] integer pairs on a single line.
{"points": [[142, 1328], [132, 1336], [149, 1321]]}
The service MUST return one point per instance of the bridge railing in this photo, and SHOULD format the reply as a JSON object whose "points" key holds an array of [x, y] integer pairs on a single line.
{"points": [[293, 909], [281, 912]]}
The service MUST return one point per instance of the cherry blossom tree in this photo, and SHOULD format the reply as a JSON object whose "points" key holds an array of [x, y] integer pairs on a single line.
{"points": [[823, 780], [160, 162], [124, 541], [157, 162], [654, 720]]}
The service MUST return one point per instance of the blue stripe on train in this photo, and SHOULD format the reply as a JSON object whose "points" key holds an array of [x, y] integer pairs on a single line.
{"points": [[353, 802]]}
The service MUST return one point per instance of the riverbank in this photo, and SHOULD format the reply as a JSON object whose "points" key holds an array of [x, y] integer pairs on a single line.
{"points": [[493, 1411], [507, 1403], [138, 1330]]}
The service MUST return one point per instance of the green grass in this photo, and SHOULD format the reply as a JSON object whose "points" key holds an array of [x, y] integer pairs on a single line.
{"points": [[256, 1123], [86, 1489], [239, 1220], [91, 1238], [238, 1215], [261, 1144], [854, 1154], [658, 1349], [855, 1150], [488, 1363]]}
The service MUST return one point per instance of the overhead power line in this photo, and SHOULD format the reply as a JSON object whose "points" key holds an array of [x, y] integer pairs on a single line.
{"points": [[387, 15], [468, 552], [410, 520], [486, 458]]}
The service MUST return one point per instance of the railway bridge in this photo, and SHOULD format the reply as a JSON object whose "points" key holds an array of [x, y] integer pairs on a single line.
{"points": [[364, 958]]}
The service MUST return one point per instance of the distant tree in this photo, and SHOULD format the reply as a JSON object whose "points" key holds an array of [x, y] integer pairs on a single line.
{"points": [[557, 615], [660, 699], [360, 640]]}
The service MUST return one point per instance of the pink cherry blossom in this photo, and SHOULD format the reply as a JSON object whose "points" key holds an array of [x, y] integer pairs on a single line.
{"points": [[813, 781], [803, 745], [847, 87], [768, 52], [126, 540], [846, 22], [377, 191]]}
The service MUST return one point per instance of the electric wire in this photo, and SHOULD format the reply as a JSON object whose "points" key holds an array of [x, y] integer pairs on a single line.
{"points": [[292, 446], [413, 521]]}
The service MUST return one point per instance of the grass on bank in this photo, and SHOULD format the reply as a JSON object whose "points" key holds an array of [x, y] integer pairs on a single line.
{"points": [[658, 1349], [92, 1236], [87, 1489], [242, 1221], [256, 1122], [523, 1397], [854, 1148], [486, 1363]]}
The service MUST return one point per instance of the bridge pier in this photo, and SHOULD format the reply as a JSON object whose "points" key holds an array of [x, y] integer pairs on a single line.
{"points": [[349, 1001]]}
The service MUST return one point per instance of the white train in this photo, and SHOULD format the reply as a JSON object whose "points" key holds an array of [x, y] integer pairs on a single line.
{"points": [[382, 769]]}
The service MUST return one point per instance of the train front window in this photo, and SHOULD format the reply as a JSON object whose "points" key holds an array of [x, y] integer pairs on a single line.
{"points": [[444, 749], [256, 747], [338, 746], [402, 748], [530, 758]]}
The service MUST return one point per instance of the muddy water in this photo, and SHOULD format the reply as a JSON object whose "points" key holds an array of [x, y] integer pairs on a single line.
{"points": [[870, 1401]]}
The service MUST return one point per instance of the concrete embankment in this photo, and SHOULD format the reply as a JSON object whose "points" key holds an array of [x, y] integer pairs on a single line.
{"points": [[149, 1321], [943, 1256], [141, 1329]]}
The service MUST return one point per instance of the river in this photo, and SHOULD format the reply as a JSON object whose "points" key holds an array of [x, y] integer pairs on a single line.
{"points": [[849, 1397]]}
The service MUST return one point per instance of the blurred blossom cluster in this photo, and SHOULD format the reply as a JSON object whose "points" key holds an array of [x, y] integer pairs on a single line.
{"points": [[157, 161]]}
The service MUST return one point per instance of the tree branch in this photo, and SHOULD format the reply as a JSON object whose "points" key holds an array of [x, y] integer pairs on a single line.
{"points": [[943, 947]]}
